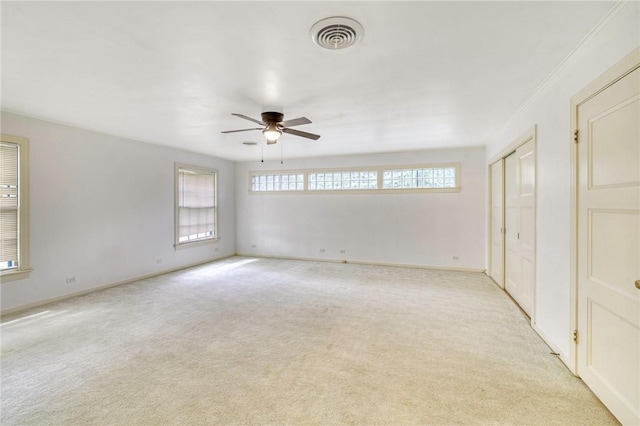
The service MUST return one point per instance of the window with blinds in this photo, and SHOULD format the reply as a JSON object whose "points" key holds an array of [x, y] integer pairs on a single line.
{"points": [[14, 208], [9, 206], [196, 200]]}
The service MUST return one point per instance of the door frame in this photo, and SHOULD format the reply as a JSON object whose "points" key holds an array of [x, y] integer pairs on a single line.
{"points": [[529, 134], [618, 71]]}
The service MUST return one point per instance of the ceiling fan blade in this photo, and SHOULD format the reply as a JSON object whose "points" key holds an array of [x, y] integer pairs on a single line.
{"points": [[247, 118], [241, 130], [295, 122], [302, 134]]}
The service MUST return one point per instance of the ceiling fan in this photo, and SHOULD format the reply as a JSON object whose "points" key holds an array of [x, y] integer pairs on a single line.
{"points": [[274, 126]]}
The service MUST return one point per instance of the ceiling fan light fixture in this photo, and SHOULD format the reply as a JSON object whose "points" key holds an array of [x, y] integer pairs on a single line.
{"points": [[272, 133]]}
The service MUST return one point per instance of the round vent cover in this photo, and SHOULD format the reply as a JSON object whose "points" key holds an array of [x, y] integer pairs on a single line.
{"points": [[336, 33]]}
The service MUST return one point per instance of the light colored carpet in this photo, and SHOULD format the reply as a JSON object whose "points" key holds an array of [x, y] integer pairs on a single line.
{"points": [[265, 341]]}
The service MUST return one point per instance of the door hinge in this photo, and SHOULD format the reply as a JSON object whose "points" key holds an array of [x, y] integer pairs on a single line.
{"points": [[575, 136], [575, 336]]}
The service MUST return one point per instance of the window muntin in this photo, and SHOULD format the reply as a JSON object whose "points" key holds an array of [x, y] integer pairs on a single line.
{"points": [[196, 204], [14, 208], [342, 180], [420, 178], [277, 182]]}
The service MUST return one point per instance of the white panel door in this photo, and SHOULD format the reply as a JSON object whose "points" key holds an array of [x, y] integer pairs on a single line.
{"points": [[526, 220], [609, 246], [497, 223], [520, 225], [511, 226]]}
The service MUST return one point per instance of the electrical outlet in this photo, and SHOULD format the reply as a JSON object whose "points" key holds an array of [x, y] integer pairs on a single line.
{"points": [[343, 251], [456, 257], [253, 246], [158, 260], [71, 280], [322, 250]]}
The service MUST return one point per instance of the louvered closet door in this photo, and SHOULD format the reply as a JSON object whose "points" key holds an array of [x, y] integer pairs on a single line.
{"points": [[609, 246]]}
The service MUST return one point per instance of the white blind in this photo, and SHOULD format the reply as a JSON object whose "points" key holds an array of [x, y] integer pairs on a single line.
{"points": [[196, 205], [9, 205]]}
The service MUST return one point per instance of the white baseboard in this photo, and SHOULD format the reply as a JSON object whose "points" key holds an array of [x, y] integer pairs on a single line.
{"points": [[105, 286], [563, 357], [359, 262]]}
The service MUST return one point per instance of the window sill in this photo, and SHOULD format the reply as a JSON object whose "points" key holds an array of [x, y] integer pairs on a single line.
{"points": [[15, 275], [196, 243]]}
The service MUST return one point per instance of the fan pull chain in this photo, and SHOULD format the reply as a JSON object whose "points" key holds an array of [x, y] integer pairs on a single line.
{"points": [[281, 153], [262, 154]]}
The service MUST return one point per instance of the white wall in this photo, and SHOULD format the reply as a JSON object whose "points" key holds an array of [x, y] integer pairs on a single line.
{"points": [[550, 110], [102, 210], [423, 229]]}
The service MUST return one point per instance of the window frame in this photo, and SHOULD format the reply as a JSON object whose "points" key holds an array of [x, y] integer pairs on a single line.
{"points": [[379, 169], [24, 260], [279, 173], [176, 228], [455, 188], [344, 170]]}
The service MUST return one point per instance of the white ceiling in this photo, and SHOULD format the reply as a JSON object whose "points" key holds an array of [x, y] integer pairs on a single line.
{"points": [[425, 74]]}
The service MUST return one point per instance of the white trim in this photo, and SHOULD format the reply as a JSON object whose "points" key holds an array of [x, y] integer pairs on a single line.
{"points": [[106, 286], [530, 133], [566, 360], [13, 275], [360, 262], [606, 79]]}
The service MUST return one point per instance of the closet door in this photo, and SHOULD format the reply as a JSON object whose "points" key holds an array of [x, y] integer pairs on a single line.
{"points": [[497, 223], [520, 225], [512, 226]]}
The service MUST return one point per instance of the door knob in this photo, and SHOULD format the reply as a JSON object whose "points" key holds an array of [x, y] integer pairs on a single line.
{"points": [[637, 283]]}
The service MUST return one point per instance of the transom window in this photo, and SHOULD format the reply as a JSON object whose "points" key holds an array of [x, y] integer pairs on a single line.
{"points": [[343, 180], [414, 178], [278, 182], [428, 177]]}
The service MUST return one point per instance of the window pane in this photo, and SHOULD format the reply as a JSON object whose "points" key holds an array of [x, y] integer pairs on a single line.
{"points": [[277, 182], [196, 200]]}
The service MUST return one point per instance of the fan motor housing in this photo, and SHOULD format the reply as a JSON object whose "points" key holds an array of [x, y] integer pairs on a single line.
{"points": [[272, 117]]}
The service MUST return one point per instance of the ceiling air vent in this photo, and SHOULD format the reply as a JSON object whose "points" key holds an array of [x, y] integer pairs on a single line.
{"points": [[336, 33]]}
